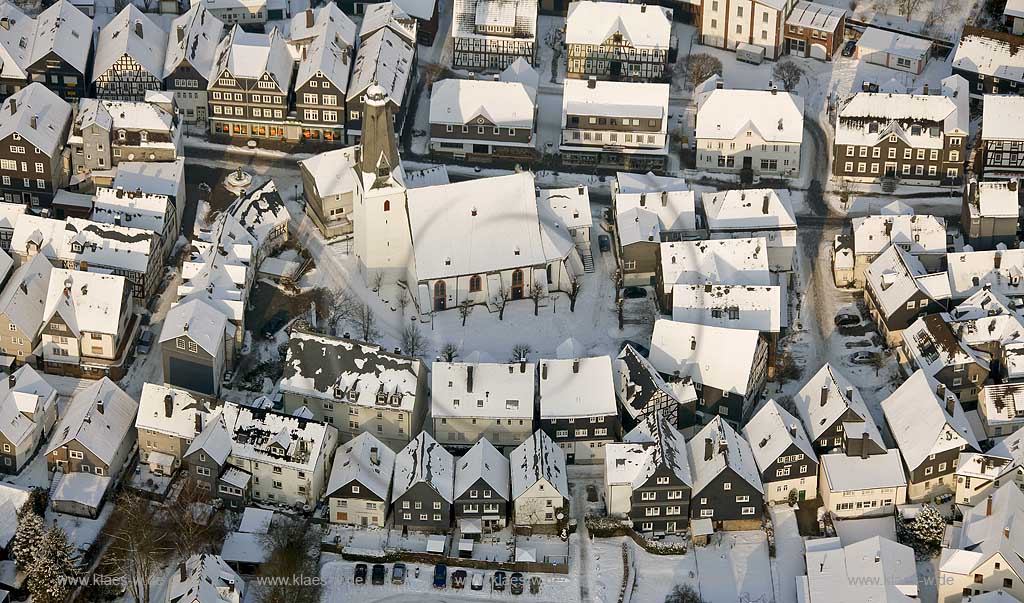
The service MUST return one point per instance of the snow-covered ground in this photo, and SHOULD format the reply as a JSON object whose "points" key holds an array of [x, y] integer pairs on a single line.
{"points": [[735, 567], [940, 19], [789, 561]]}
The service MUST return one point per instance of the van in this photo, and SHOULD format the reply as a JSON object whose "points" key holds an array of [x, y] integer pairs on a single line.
{"points": [[749, 53]]}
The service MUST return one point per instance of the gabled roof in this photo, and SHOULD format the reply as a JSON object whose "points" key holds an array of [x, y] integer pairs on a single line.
{"points": [[847, 473], [389, 15], [576, 388], [334, 172], [749, 209], [718, 447], [869, 117], [775, 116], [921, 423], [990, 53], [172, 411], [896, 276], [502, 104], [616, 99], [16, 39], [876, 569], [207, 579], [1004, 116], [759, 308], [664, 446], [893, 43], [644, 215], [200, 322], [24, 298], [726, 261], [22, 395], [36, 104], [537, 458], [637, 382], [519, 15], [86, 301], [99, 418], [712, 356], [932, 345], [423, 460], [131, 33], [826, 397], [66, 31], [252, 55], [330, 52], [1001, 270], [482, 461], [641, 26], [363, 459], [923, 234], [772, 431], [214, 440], [989, 530], [385, 58], [483, 390], [194, 38]]}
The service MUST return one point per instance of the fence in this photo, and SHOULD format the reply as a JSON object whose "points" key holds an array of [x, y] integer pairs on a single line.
{"points": [[433, 559]]}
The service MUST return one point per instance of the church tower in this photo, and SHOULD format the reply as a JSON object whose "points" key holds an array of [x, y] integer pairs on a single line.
{"points": [[383, 243]]}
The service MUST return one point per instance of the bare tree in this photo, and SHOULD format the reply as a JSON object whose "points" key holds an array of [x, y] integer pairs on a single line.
{"points": [[377, 281], [413, 341], [465, 309], [294, 557], [700, 66], [343, 306], [190, 521], [537, 295], [789, 73], [138, 543], [575, 286], [501, 300], [403, 302], [366, 323], [449, 352], [907, 8], [619, 303], [520, 352]]}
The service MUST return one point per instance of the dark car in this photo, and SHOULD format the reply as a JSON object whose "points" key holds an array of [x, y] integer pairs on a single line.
{"points": [[517, 583], [440, 576], [459, 579], [275, 324], [379, 574], [360, 573], [477, 581], [499, 580], [634, 293], [849, 48], [398, 574], [145, 342], [604, 243], [847, 319]]}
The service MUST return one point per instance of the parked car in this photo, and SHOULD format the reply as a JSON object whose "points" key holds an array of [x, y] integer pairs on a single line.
{"points": [[360, 573], [534, 585], [849, 48], [440, 575], [398, 574], [604, 243], [499, 580], [477, 582], [459, 579], [864, 357], [517, 583], [145, 342], [379, 574], [634, 293], [847, 319]]}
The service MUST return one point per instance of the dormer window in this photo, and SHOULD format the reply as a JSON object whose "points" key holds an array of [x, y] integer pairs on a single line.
{"points": [[873, 127], [144, 135], [121, 134]]}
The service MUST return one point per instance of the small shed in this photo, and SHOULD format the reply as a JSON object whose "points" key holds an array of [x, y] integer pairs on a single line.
{"points": [[465, 548], [897, 51], [701, 531], [80, 494], [436, 544]]}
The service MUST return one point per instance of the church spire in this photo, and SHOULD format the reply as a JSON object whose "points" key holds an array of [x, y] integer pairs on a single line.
{"points": [[379, 149]]}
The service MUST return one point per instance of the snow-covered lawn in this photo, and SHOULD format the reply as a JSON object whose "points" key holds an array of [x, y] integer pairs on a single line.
{"points": [[948, 16], [735, 568]]}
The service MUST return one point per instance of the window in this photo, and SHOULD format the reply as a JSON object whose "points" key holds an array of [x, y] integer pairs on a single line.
{"points": [[475, 283], [707, 512], [747, 511], [648, 496], [727, 486]]}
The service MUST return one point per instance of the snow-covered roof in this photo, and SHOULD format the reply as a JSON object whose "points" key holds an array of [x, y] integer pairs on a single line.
{"points": [[1014, 8], [645, 215], [568, 207], [330, 53], [419, 9], [310, 23], [144, 210], [134, 34], [258, 215], [576, 388], [627, 183], [1000, 269], [23, 299], [537, 458], [16, 39], [637, 382], [712, 356], [98, 418], [206, 579], [214, 440], [23, 395], [996, 199], [482, 461], [717, 447], [499, 225], [933, 345], [81, 488], [504, 104], [615, 99], [775, 116], [1001, 403], [894, 43], [664, 446], [754, 209], [153, 177], [896, 276], [989, 530], [640, 25], [772, 431], [1002, 117], [922, 234], [199, 321], [520, 15], [826, 397], [732, 261], [193, 40], [382, 15], [244, 547], [812, 15], [423, 460], [273, 438], [87, 301], [108, 245], [462, 389], [66, 31], [360, 373], [990, 53], [846, 473], [918, 119], [249, 55], [171, 411], [124, 115], [920, 421], [37, 115], [876, 569], [754, 307], [363, 459], [384, 58], [12, 499]]}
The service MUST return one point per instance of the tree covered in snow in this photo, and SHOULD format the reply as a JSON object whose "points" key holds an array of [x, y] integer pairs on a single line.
{"points": [[28, 537], [683, 593], [924, 534], [139, 544], [54, 568]]}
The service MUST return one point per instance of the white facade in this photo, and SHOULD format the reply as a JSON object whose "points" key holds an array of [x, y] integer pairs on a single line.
{"points": [[727, 23], [538, 505], [862, 487]]}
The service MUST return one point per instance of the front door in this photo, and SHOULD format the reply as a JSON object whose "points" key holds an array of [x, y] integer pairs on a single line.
{"points": [[439, 296], [363, 522], [802, 495], [748, 163], [517, 284], [616, 69]]}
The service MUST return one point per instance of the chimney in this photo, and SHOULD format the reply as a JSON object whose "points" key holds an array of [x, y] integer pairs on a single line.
{"points": [[182, 574], [575, 367], [138, 28], [181, 33], [940, 390], [707, 287], [579, 190], [988, 506], [664, 198], [926, 89], [184, 327], [643, 8], [592, 82], [544, 371], [309, 17], [719, 85], [997, 260], [14, 106], [168, 405], [709, 449], [643, 199], [792, 430], [33, 122], [849, 393], [231, 586], [824, 395], [775, 90], [199, 422], [864, 444], [1006, 531], [469, 379], [375, 455], [99, 406], [522, 364], [950, 404], [764, 204], [5, 22]]}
